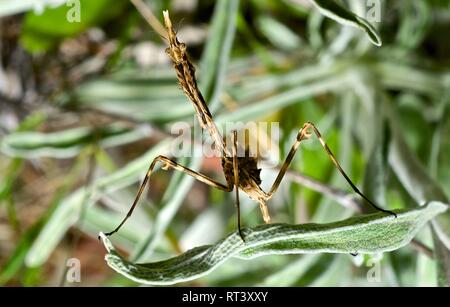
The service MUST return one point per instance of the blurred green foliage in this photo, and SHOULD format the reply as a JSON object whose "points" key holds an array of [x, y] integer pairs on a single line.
{"points": [[43, 31]]}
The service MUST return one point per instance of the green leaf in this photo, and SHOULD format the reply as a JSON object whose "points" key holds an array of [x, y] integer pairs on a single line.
{"points": [[333, 10], [422, 188], [266, 106], [415, 22], [64, 216], [415, 179], [43, 31], [398, 76], [68, 210], [278, 34], [11, 7], [372, 233], [217, 51], [141, 97], [16, 260], [69, 142]]}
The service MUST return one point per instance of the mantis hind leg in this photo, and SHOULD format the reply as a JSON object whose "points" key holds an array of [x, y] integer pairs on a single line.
{"points": [[166, 165], [304, 134]]}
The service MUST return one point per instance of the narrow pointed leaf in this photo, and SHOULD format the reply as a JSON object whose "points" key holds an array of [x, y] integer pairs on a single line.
{"points": [[340, 14], [371, 233], [68, 143]]}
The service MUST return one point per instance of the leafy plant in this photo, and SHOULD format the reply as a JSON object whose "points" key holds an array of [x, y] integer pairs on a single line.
{"points": [[373, 233], [379, 92]]}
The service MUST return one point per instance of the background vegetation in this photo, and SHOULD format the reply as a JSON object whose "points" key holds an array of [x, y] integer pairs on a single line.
{"points": [[86, 106]]}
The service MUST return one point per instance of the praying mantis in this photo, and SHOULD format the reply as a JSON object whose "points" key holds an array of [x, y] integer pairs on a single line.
{"points": [[241, 173]]}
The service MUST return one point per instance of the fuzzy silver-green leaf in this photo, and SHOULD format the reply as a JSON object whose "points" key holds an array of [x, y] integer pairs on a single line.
{"points": [[372, 233]]}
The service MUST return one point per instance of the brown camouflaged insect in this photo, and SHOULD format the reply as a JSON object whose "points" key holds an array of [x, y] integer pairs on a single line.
{"points": [[240, 172]]}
